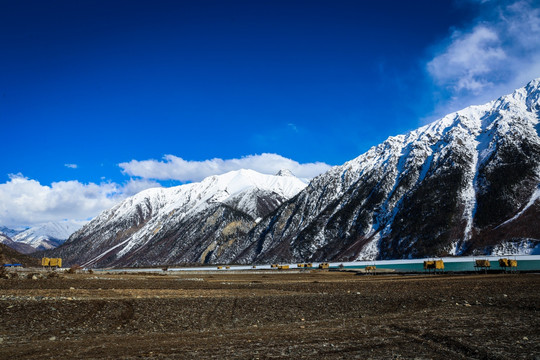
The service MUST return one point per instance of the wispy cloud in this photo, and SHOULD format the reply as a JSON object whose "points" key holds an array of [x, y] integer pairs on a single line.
{"points": [[176, 168], [293, 127], [26, 202], [71, 166], [498, 52]]}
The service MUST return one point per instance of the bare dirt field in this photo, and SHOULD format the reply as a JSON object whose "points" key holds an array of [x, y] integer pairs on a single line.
{"points": [[265, 315]]}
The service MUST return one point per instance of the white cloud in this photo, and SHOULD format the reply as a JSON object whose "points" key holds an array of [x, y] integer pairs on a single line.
{"points": [[71, 166], [468, 59], [497, 53], [175, 168], [26, 202]]}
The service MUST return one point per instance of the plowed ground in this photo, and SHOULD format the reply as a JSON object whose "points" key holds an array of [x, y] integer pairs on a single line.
{"points": [[266, 315]]}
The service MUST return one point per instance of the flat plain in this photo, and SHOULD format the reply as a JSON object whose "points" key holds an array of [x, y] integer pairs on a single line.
{"points": [[269, 314]]}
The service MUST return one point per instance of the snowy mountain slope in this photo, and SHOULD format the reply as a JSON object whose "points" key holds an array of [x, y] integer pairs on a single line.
{"points": [[9, 232], [463, 184], [49, 235], [22, 248], [187, 223]]}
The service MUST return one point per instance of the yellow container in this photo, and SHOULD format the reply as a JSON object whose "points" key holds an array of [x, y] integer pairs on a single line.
{"points": [[324, 266], [439, 265], [220, 267], [482, 263], [308, 265], [45, 261], [371, 268], [300, 265], [283, 267], [504, 262]]}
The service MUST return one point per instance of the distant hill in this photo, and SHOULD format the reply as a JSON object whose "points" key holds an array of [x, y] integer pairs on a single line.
{"points": [[10, 256], [9, 232], [19, 247], [46, 236]]}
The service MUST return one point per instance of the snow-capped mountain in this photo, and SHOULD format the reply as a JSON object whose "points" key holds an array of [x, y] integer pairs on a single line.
{"points": [[187, 223], [467, 183], [47, 236], [9, 232], [20, 247]]}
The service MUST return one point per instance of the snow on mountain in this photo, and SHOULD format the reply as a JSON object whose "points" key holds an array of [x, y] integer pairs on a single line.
{"points": [[9, 232], [463, 184], [198, 218], [22, 248], [48, 236]]}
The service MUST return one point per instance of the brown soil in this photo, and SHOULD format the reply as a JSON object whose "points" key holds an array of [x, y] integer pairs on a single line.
{"points": [[317, 314]]}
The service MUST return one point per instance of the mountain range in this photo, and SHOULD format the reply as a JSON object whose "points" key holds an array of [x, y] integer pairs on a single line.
{"points": [[40, 237], [465, 184]]}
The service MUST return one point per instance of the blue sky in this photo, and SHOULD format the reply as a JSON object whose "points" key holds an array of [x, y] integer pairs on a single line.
{"points": [[101, 99]]}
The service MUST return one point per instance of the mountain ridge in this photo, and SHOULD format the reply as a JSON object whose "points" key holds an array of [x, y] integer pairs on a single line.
{"points": [[468, 183]]}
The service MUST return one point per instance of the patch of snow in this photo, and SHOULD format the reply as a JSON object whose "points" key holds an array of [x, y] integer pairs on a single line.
{"points": [[523, 247]]}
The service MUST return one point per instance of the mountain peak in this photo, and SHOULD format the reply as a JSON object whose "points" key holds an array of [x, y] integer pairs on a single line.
{"points": [[285, 172]]}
